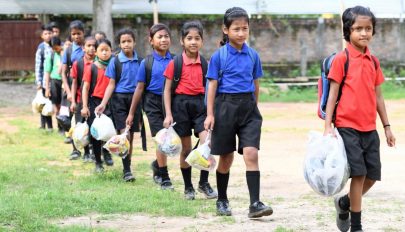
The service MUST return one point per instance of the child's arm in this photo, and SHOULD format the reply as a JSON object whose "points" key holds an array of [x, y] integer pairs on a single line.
{"points": [[257, 88], [47, 86], [383, 116], [65, 82], [85, 99], [107, 95], [330, 106], [136, 98], [38, 79], [212, 89], [167, 96], [74, 90]]}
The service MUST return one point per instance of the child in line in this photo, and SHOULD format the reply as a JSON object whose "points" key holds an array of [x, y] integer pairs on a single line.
{"points": [[76, 74], [72, 54], [99, 35], [44, 50], [185, 105], [151, 89], [122, 71], [93, 95], [232, 110], [361, 99], [53, 79]]}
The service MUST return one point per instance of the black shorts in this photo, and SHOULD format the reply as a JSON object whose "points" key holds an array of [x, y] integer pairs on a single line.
{"points": [[153, 107], [235, 114], [93, 103], [189, 112], [120, 104], [363, 152], [56, 91]]}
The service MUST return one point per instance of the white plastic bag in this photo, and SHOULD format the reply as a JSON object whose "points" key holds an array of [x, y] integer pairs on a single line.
{"points": [[326, 168], [201, 157], [102, 128], [81, 135], [47, 110], [38, 102], [118, 144], [168, 141]]}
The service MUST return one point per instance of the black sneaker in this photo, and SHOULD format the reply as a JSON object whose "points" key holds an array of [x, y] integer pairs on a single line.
{"points": [[342, 216], [108, 159], [258, 209], [99, 168], [86, 158], [223, 208], [166, 185], [189, 193], [68, 140], [155, 169], [128, 177], [207, 190], [75, 155]]}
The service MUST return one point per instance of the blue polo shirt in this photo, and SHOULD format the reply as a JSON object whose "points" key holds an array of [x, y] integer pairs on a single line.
{"points": [[77, 53], [240, 71], [158, 68], [130, 68]]}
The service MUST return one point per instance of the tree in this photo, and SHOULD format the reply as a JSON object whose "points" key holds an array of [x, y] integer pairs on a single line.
{"points": [[102, 20]]}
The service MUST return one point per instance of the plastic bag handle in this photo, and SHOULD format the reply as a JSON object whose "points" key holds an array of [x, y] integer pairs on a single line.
{"points": [[208, 138]]}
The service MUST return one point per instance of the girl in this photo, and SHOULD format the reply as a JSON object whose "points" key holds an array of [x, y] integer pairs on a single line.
{"points": [[122, 72], [234, 110], [185, 105], [93, 95], [151, 87]]}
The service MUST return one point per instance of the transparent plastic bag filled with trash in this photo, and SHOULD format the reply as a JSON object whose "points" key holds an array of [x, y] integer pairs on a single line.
{"points": [[168, 141], [201, 157]]}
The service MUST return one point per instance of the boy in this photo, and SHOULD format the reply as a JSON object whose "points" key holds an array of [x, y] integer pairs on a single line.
{"points": [[44, 49], [361, 99]]}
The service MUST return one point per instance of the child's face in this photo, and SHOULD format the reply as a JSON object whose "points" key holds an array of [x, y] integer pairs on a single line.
{"points": [[127, 43], [77, 36], [193, 42], [161, 41], [55, 32], [90, 48], [238, 32], [46, 36], [57, 48], [361, 32], [103, 52]]}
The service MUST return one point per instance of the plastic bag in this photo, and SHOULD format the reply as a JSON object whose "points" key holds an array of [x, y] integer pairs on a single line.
{"points": [[102, 128], [201, 157], [81, 135], [118, 144], [47, 110], [38, 102], [168, 141], [326, 168]]}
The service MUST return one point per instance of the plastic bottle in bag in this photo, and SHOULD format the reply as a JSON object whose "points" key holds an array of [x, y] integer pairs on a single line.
{"points": [[201, 157], [168, 141]]}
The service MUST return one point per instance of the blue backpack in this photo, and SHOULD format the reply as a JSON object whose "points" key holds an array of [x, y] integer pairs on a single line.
{"points": [[223, 55]]}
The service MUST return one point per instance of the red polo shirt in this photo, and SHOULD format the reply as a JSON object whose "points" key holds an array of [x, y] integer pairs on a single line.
{"points": [[357, 108], [191, 80], [101, 84], [73, 74]]}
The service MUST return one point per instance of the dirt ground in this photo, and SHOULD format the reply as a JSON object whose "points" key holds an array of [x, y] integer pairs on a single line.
{"points": [[283, 148]]}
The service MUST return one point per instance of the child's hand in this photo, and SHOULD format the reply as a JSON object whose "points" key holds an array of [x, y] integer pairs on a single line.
{"points": [[130, 120], [69, 96], [47, 93], [85, 112], [168, 121], [100, 109], [73, 107], [209, 123], [329, 130], [390, 137]]}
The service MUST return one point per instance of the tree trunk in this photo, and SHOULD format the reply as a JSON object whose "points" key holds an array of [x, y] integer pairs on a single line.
{"points": [[102, 20]]}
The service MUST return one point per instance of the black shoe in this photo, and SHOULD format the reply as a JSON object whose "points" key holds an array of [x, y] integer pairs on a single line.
{"points": [[189, 193], [99, 168], [86, 158], [75, 155], [166, 185], [68, 140], [108, 159], [128, 177], [155, 169], [223, 208], [207, 190], [258, 209]]}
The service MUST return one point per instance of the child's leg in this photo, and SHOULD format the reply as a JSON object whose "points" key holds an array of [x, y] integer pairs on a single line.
{"points": [[96, 144], [184, 166], [356, 193], [126, 162], [48, 120], [224, 166], [250, 156]]}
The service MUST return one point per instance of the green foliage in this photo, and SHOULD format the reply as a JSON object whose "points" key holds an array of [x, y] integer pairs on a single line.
{"points": [[293, 94]]}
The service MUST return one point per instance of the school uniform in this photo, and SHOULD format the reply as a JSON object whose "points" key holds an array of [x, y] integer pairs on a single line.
{"points": [[188, 108], [152, 101], [356, 112], [51, 66], [124, 90], [236, 111]]}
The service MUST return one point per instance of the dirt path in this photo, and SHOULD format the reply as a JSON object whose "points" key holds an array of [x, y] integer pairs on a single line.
{"points": [[296, 206]]}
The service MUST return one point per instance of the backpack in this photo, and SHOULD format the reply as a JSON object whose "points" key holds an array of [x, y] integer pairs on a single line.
{"points": [[223, 56], [148, 69], [324, 83]]}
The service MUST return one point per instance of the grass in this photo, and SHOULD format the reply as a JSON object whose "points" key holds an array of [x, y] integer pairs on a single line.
{"points": [[38, 184]]}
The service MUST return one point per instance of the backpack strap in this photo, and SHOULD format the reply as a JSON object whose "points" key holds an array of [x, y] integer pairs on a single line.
{"points": [[93, 81], [148, 70], [178, 66], [80, 70], [69, 57], [52, 58], [223, 56], [118, 69], [346, 68]]}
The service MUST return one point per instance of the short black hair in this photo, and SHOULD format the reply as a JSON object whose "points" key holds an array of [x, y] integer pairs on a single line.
{"points": [[124, 31], [349, 18], [231, 15], [46, 27], [55, 41], [187, 26], [101, 41], [158, 27], [101, 33], [76, 24], [54, 24]]}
